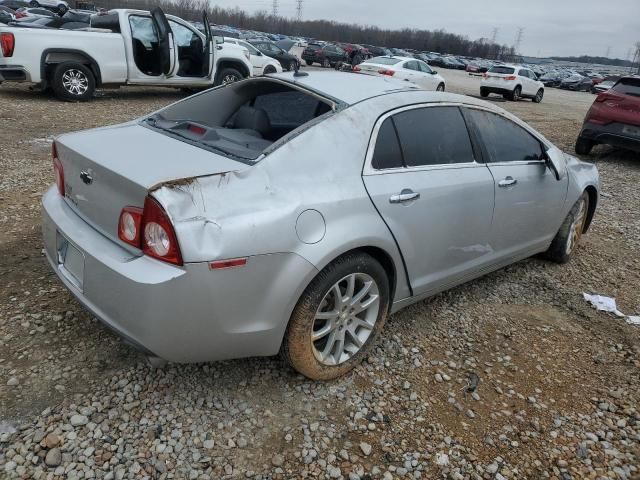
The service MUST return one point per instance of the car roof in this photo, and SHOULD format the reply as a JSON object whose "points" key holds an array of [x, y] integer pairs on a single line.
{"points": [[347, 88]]}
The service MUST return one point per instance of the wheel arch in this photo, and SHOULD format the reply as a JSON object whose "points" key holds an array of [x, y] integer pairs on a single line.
{"points": [[229, 63], [593, 201], [54, 56]]}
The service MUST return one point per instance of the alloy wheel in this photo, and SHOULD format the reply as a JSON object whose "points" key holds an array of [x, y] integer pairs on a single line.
{"points": [[229, 79], [577, 227], [75, 82], [345, 318]]}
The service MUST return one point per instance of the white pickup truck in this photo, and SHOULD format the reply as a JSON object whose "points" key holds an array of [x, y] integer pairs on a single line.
{"points": [[119, 47]]}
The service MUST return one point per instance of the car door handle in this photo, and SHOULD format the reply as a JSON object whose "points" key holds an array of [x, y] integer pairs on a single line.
{"points": [[406, 195], [507, 182]]}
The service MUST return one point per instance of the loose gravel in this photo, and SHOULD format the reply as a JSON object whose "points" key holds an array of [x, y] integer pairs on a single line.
{"points": [[512, 376]]}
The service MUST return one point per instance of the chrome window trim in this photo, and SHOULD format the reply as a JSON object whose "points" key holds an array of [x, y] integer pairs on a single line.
{"points": [[368, 168]]}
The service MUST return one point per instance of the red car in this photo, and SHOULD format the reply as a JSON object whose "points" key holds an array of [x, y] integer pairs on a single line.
{"points": [[613, 119]]}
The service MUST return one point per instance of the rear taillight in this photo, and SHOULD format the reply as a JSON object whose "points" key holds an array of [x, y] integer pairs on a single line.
{"points": [[511, 77], [20, 14], [356, 69], [58, 171], [150, 230], [389, 73], [602, 97], [130, 225], [8, 43]]}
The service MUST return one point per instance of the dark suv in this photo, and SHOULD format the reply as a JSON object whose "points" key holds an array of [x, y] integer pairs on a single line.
{"points": [[326, 55], [613, 119]]}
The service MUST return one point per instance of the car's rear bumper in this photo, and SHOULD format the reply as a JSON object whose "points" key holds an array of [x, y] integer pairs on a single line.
{"points": [[180, 314], [611, 134], [14, 73], [494, 89]]}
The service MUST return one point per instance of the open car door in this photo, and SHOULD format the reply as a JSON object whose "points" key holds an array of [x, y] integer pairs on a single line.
{"points": [[166, 47], [209, 48]]}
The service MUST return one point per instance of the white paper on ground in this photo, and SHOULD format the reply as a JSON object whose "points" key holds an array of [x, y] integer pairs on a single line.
{"points": [[608, 304]]}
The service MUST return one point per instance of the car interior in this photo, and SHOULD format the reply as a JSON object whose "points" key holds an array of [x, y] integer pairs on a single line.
{"points": [[249, 116]]}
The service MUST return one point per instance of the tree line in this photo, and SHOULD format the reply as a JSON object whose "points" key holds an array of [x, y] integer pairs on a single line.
{"points": [[416, 39], [618, 62]]}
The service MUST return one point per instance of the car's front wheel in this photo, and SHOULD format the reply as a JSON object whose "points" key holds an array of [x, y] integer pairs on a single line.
{"points": [[326, 63], [228, 75], [338, 317], [34, 4], [538, 97], [73, 82], [269, 69], [440, 88], [571, 230], [308, 62], [484, 93], [62, 9]]}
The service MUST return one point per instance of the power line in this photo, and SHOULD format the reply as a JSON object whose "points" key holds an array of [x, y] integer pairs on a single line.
{"points": [[299, 10]]}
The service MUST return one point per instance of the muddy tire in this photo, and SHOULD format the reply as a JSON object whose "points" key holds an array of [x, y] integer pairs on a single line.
{"points": [[568, 237], [327, 336], [72, 82], [584, 146]]}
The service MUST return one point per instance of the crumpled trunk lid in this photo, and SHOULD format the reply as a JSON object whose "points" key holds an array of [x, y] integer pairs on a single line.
{"points": [[110, 168]]}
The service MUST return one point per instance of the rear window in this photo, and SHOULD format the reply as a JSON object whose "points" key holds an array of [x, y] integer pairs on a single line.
{"points": [[290, 109], [503, 70], [628, 86], [384, 60]]}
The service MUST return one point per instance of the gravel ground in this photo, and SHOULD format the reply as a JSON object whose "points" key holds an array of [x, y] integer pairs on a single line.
{"points": [[510, 376]]}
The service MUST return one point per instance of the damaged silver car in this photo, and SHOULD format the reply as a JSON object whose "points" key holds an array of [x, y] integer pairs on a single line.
{"points": [[294, 213]]}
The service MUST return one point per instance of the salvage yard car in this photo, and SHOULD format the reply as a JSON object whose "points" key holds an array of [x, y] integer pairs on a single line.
{"points": [[512, 82], [613, 119], [404, 68], [294, 212], [126, 47]]}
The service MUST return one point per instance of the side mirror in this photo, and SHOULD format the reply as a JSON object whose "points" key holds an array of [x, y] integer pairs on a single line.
{"points": [[555, 166], [218, 39], [434, 72]]}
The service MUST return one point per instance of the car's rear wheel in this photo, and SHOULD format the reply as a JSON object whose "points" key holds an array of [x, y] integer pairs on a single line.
{"points": [[515, 95], [484, 93], [73, 82], [34, 4], [337, 318], [440, 88], [308, 62], [568, 237], [326, 63], [62, 8], [584, 146], [538, 97]]}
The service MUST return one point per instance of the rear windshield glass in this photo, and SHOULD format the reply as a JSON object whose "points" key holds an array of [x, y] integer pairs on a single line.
{"points": [[504, 70], [628, 86], [384, 60]]}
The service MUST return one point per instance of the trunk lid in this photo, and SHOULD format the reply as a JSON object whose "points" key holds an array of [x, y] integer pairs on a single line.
{"points": [[110, 168]]}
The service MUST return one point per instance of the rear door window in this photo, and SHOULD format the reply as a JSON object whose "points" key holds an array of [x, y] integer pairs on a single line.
{"points": [[504, 140], [433, 136], [387, 153]]}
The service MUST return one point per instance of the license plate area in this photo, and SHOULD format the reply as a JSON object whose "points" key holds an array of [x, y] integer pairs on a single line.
{"points": [[635, 131], [70, 261]]}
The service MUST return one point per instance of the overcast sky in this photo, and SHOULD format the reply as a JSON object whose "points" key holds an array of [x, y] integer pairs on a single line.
{"points": [[551, 27]]}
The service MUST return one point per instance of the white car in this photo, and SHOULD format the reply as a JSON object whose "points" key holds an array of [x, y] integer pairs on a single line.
{"points": [[404, 68], [60, 5], [512, 82], [261, 63]]}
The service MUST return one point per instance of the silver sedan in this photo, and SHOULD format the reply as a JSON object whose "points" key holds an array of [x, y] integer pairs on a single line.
{"points": [[293, 213]]}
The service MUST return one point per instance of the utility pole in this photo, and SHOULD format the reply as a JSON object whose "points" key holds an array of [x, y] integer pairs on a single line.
{"points": [[516, 46], [274, 9], [637, 56], [299, 10], [608, 52]]}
